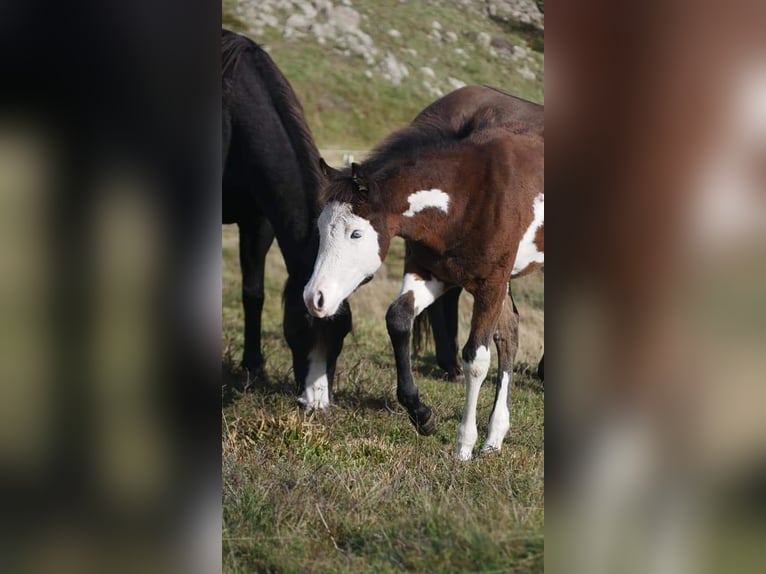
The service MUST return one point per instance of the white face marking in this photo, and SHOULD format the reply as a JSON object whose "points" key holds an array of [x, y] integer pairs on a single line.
{"points": [[528, 252], [475, 372], [424, 292], [500, 422], [316, 394], [426, 198], [348, 254]]}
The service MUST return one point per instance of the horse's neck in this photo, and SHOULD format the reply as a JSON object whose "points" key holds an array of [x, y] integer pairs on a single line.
{"points": [[296, 230], [295, 225]]}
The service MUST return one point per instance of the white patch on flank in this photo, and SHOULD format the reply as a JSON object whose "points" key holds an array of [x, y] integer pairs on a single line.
{"points": [[343, 262], [425, 292], [316, 394], [729, 211], [426, 198], [475, 372], [528, 253], [500, 421]]}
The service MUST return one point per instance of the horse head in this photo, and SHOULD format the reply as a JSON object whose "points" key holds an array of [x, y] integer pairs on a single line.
{"points": [[353, 239]]}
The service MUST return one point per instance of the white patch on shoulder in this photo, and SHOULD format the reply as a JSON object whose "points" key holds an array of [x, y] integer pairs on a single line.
{"points": [[426, 198], [528, 252], [424, 292], [316, 394]]}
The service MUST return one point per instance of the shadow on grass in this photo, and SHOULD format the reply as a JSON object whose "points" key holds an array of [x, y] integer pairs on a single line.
{"points": [[526, 377], [427, 366], [358, 399], [526, 374], [236, 382]]}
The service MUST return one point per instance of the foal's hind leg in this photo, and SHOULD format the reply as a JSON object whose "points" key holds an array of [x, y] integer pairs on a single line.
{"points": [[255, 238], [487, 305], [443, 315], [417, 293], [507, 343]]}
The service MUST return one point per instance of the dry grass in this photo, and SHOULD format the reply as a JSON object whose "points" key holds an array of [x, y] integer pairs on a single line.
{"points": [[356, 489]]}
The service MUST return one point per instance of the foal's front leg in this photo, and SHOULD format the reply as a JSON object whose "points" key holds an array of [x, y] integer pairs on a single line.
{"points": [[476, 358], [416, 294]]}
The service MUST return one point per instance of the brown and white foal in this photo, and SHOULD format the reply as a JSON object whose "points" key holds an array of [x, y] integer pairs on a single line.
{"points": [[470, 202]]}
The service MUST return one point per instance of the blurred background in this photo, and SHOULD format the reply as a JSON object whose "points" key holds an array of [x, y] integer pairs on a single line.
{"points": [[109, 287], [656, 439], [110, 277]]}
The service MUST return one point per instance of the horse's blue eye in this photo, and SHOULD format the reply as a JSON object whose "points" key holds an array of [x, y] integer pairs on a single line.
{"points": [[356, 234]]}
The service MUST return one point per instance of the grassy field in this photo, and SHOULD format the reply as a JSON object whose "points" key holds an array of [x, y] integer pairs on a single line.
{"points": [[357, 489]]}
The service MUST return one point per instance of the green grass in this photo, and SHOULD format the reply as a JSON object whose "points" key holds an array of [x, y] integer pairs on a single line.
{"points": [[357, 489], [391, 499], [347, 109]]}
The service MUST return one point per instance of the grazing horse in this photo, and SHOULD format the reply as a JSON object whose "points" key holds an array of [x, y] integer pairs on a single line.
{"points": [[457, 106], [466, 193], [270, 187]]}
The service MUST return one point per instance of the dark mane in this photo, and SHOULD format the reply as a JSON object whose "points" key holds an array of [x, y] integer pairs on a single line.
{"points": [[421, 138], [414, 141], [429, 134], [341, 188], [233, 48]]}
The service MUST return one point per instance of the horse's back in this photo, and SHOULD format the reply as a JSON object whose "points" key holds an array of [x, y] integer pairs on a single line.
{"points": [[242, 102], [492, 106]]}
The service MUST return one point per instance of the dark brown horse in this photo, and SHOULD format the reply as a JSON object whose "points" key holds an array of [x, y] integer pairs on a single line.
{"points": [[466, 191], [271, 182]]}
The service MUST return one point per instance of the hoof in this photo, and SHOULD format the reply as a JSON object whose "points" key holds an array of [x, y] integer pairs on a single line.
{"points": [[424, 422], [489, 450], [314, 399], [464, 453], [452, 373], [453, 376], [255, 375], [313, 405]]}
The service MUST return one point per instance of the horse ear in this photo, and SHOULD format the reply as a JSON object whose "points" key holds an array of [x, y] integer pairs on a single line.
{"points": [[328, 171], [358, 177]]}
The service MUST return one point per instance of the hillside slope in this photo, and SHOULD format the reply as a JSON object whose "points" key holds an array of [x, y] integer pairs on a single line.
{"points": [[363, 68]]}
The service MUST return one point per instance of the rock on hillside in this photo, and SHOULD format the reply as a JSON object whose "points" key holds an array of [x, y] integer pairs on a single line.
{"points": [[411, 55], [524, 11]]}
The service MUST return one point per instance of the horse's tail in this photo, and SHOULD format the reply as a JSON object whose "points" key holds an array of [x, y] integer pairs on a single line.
{"points": [[421, 333]]}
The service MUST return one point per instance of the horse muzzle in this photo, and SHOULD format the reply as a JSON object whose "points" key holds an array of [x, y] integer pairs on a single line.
{"points": [[315, 302]]}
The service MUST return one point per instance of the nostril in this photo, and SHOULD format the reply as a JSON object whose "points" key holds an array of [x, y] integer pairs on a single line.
{"points": [[320, 300]]}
